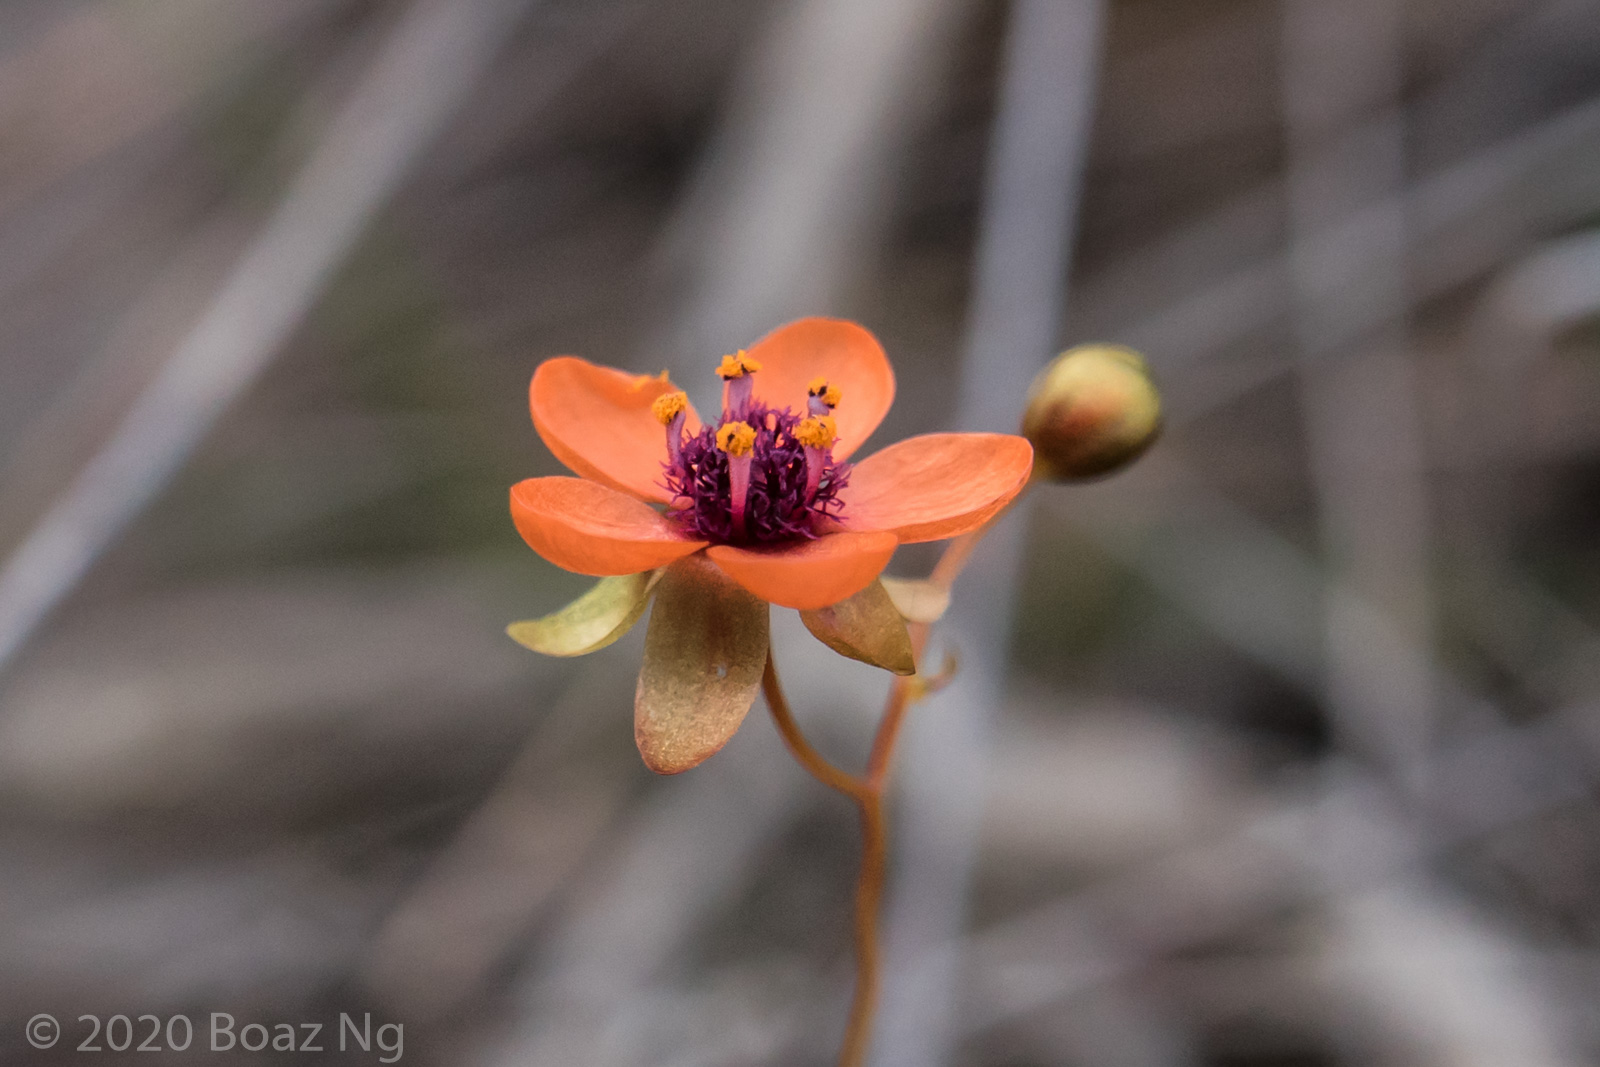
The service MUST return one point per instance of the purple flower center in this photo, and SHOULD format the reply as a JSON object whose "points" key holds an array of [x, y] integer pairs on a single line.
{"points": [[781, 503]]}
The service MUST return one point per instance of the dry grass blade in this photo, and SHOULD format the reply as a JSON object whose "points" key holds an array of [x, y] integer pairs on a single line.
{"points": [[430, 62]]}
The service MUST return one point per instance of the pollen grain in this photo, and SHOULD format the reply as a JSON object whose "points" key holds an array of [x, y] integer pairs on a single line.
{"points": [[737, 365], [818, 431], [736, 438], [821, 389], [669, 406]]}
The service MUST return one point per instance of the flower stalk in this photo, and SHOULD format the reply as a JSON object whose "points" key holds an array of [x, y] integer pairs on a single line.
{"points": [[867, 791]]}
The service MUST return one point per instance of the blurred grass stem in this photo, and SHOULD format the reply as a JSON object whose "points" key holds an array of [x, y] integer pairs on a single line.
{"points": [[431, 60], [1027, 227], [1358, 392]]}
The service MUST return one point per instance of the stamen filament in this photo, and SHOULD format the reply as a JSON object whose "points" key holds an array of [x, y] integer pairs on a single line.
{"points": [[675, 438], [736, 371], [739, 490], [671, 410], [817, 434], [738, 440], [816, 463], [736, 394]]}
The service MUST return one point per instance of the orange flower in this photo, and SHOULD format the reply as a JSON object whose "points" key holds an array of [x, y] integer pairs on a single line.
{"points": [[764, 495]]}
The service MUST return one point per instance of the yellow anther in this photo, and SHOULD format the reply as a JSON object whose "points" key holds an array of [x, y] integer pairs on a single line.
{"points": [[737, 366], [736, 438], [669, 406], [818, 431], [828, 394]]}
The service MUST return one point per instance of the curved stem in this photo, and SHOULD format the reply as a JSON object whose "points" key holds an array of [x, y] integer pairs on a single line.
{"points": [[867, 790], [868, 796], [808, 757]]}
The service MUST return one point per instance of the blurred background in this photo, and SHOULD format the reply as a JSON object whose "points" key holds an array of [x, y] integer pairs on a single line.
{"points": [[1279, 750]]}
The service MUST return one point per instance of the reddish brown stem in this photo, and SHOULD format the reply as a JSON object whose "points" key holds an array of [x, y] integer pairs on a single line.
{"points": [[813, 761], [869, 898], [867, 791]]}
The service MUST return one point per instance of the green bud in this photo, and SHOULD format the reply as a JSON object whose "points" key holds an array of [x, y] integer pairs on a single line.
{"points": [[1092, 410]]}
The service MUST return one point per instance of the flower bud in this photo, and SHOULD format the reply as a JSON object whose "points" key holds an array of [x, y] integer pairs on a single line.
{"points": [[1092, 410]]}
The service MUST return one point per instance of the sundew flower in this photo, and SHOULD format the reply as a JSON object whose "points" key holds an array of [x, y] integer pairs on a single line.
{"points": [[719, 520]]}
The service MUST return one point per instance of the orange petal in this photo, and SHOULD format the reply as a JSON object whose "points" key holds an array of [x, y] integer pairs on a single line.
{"points": [[843, 353], [597, 421], [936, 486], [808, 574], [585, 527]]}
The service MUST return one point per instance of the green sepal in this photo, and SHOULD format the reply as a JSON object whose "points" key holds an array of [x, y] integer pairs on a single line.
{"points": [[866, 627], [917, 599], [591, 622], [704, 655]]}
